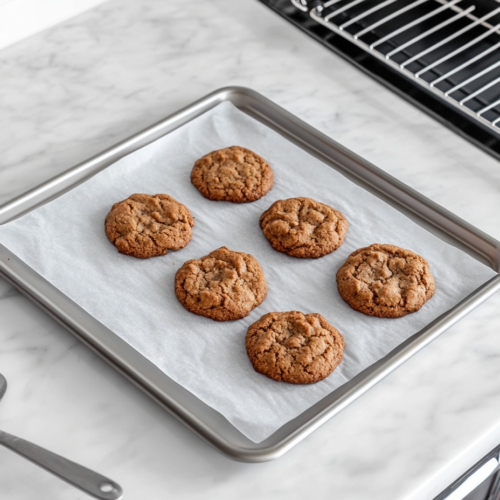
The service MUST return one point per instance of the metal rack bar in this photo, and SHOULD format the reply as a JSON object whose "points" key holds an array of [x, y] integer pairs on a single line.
{"points": [[465, 64], [462, 41], [457, 51], [472, 78], [300, 6], [487, 108], [343, 9], [389, 17], [480, 91], [413, 23], [450, 38], [430, 31], [472, 17], [367, 13]]}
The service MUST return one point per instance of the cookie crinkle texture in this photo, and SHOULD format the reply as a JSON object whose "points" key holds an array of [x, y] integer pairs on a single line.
{"points": [[146, 225], [294, 347], [233, 174], [302, 227], [223, 285], [385, 281]]}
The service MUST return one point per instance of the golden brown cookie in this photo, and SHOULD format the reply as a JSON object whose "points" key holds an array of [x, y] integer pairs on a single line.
{"points": [[294, 347], [232, 174], [385, 281], [304, 228], [145, 226], [224, 285]]}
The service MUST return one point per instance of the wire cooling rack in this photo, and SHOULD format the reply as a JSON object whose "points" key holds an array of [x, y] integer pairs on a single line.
{"points": [[451, 48]]}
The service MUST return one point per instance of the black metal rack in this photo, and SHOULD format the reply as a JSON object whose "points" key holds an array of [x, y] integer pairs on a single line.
{"points": [[443, 56]]}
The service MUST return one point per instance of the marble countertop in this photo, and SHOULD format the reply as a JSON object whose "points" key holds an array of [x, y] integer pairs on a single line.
{"points": [[71, 91]]}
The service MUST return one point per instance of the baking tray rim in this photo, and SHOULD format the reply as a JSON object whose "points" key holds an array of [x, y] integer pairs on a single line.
{"points": [[425, 209]]}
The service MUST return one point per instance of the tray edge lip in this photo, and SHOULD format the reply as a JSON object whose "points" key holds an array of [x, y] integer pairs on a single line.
{"points": [[224, 94], [268, 453], [237, 452]]}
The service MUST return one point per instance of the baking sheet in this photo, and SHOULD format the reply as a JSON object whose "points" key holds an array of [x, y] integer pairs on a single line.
{"points": [[64, 241]]}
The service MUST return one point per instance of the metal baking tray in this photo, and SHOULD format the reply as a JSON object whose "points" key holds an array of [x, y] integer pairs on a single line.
{"points": [[206, 422]]}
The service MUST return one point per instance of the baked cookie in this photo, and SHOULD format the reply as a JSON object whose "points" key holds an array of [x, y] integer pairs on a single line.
{"points": [[232, 174], [145, 226], [302, 227], [385, 281], [224, 285], [294, 347]]}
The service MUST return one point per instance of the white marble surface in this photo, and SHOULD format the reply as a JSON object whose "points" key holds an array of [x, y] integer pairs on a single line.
{"points": [[69, 92], [22, 18]]}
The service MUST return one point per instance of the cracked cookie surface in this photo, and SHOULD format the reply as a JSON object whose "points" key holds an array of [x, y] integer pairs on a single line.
{"points": [[232, 174], [385, 281], [302, 227], [146, 226], [294, 347], [223, 285]]}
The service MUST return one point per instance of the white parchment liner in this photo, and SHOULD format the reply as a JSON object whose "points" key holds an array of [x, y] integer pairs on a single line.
{"points": [[64, 241]]}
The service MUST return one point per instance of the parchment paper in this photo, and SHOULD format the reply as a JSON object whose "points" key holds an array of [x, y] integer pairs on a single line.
{"points": [[65, 242]]}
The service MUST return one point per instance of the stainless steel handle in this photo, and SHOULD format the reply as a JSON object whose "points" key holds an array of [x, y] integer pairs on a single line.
{"points": [[88, 481]]}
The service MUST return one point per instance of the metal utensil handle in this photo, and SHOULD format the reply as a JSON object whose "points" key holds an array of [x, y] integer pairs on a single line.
{"points": [[88, 481]]}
